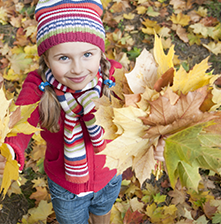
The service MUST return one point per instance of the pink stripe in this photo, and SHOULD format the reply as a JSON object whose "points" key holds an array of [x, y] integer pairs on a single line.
{"points": [[91, 6], [65, 15], [76, 173], [77, 36]]}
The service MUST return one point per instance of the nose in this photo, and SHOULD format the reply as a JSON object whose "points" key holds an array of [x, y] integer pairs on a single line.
{"points": [[76, 67]]}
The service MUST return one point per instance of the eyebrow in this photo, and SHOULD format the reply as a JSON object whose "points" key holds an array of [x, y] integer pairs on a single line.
{"points": [[67, 53]]}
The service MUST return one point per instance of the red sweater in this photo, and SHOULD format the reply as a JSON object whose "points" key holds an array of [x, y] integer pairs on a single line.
{"points": [[54, 156]]}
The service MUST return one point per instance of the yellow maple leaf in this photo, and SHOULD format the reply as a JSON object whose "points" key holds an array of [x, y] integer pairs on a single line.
{"points": [[10, 171], [115, 215], [40, 213], [164, 61], [14, 188], [129, 16], [22, 126], [10, 75], [143, 169], [215, 48], [181, 19], [105, 3], [202, 11], [151, 27], [19, 62], [104, 116], [197, 77], [151, 12], [30, 50], [13, 119], [199, 28], [5, 49], [130, 141], [40, 182], [141, 9], [120, 84]]}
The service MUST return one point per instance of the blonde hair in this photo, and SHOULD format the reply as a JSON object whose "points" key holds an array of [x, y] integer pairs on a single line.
{"points": [[49, 106]]}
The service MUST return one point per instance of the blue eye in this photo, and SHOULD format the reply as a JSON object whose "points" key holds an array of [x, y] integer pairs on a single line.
{"points": [[88, 54], [63, 58]]}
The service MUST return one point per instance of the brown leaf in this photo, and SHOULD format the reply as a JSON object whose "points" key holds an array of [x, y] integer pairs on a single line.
{"points": [[218, 82], [166, 118], [163, 112], [133, 217], [179, 196], [40, 194], [216, 127], [38, 152], [165, 80], [127, 174], [21, 38], [207, 103], [4, 62], [164, 12], [209, 210], [132, 99], [109, 19], [209, 21], [182, 34]]}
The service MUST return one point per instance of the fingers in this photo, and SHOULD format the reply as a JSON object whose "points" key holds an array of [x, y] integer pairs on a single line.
{"points": [[2, 165], [159, 150], [2, 158]]}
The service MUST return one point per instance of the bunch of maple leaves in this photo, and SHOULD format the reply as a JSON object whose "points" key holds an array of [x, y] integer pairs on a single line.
{"points": [[149, 108], [155, 101]]}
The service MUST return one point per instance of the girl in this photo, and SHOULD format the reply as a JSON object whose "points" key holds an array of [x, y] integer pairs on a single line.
{"points": [[73, 71]]}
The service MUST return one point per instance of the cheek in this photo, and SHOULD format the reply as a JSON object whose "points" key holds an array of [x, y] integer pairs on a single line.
{"points": [[58, 70], [58, 74], [95, 66]]}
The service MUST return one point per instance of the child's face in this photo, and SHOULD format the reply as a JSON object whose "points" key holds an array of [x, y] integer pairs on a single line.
{"points": [[74, 64]]}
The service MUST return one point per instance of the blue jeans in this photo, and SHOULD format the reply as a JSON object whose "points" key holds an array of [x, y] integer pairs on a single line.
{"points": [[71, 209]]}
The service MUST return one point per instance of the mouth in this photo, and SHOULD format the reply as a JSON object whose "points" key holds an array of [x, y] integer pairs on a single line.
{"points": [[78, 79]]}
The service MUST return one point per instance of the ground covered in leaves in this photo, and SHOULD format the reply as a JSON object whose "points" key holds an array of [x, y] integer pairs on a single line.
{"points": [[194, 27]]}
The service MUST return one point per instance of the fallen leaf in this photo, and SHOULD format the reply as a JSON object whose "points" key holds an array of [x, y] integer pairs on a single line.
{"points": [[133, 217], [40, 213], [180, 19], [182, 34], [40, 194], [215, 48], [19, 62], [129, 16]]}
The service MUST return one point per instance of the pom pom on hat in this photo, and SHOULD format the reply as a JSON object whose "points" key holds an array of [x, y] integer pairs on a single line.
{"points": [[69, 21]]}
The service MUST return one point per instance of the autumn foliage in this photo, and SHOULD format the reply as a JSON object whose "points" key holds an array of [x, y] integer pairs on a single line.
{"points": [[159, 96]]}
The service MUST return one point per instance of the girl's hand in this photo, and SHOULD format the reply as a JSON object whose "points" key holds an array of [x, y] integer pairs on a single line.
{"points": [[158, 152], [2, 165]]}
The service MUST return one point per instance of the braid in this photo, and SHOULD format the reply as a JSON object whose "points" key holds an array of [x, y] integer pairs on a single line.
{"points": [[105, 68], [49, 107]]}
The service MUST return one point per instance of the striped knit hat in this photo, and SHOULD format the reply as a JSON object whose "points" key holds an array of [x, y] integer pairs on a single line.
{"points": [[69, 21]]}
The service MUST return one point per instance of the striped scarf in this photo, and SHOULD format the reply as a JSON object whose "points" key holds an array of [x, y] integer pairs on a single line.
{"points": [[78, 105]]}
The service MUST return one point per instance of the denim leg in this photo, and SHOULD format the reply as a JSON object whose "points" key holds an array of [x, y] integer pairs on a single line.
{"points": [[68, 207], [104, 199]]}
